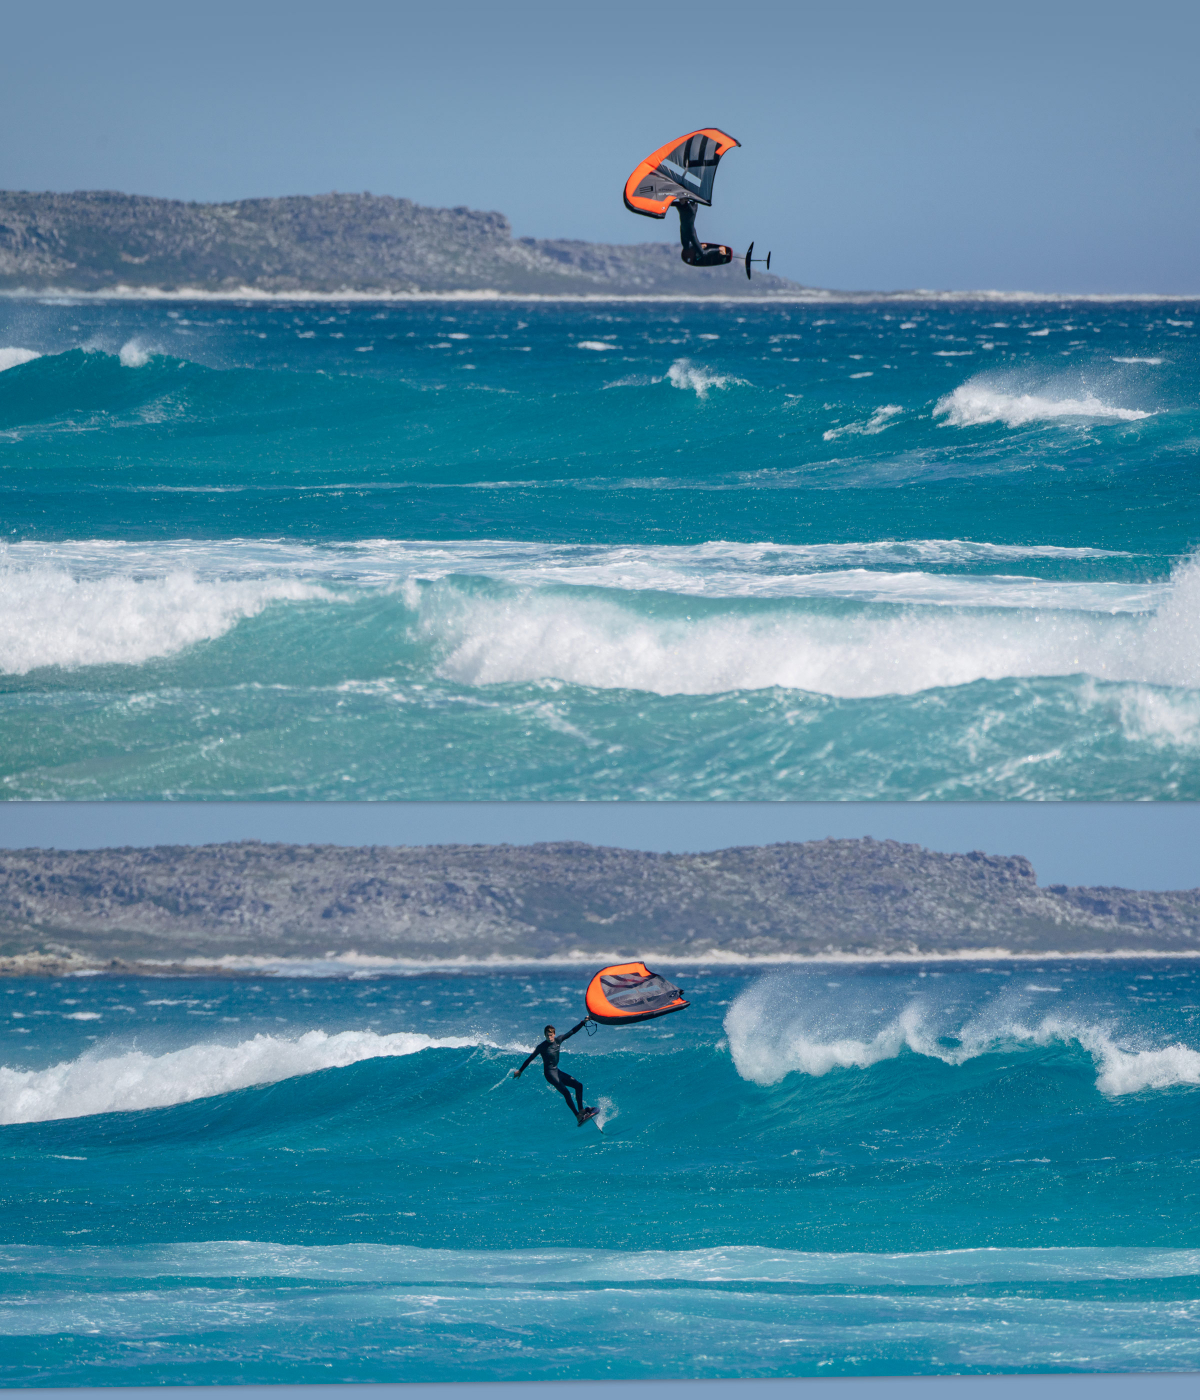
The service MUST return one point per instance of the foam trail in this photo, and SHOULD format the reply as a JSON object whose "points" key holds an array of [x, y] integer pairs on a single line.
{"points": [[13, 355], [98, 1083], [52, 618], [882, 418], [977, 402]]}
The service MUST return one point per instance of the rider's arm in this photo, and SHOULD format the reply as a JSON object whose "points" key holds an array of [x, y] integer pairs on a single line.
{"points": [[573, 1029], [534, 1053]]}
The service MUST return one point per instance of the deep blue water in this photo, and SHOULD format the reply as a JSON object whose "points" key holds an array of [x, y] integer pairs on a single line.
{"points": [[648, 550], [818, 1170]]}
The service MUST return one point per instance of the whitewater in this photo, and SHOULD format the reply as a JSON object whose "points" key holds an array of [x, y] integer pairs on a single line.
{"points": [[463, 550], [854, 1169]]}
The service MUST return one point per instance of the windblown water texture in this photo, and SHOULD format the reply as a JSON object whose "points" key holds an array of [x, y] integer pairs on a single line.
{"points": [[492, 550], [824, 1170]]}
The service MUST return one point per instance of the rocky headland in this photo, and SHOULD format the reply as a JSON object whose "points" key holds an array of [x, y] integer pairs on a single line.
{"points": [[192, 906], [102, 241]]}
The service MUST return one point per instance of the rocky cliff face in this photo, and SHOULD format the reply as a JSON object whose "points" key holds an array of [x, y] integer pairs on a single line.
{"points": [[869, 897], [97, 240]]}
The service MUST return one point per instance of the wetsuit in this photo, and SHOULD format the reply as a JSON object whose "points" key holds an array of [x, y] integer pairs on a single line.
{"points": [[550, 1050], [695, 253]]}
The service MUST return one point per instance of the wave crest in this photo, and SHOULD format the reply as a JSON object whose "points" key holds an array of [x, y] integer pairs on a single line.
{"points": [[978, 402], [53, 618], [13, 355], [528, 635], [777, 1028], [98, 1083], [683, 374]]}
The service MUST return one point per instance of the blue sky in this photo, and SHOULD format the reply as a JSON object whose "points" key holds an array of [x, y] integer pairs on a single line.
{"points": [[1050, 146], [1137, 845]]}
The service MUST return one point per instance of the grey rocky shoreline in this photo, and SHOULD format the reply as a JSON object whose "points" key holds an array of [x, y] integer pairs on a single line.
{"points": [[185, 908], [100, 241]]}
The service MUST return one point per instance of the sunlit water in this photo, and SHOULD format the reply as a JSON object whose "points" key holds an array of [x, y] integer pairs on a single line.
{"points": [[830, 1170], [599, 551]]}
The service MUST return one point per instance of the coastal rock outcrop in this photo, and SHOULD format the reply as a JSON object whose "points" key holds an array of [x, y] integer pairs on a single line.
{"points": [[171, 904], [100, 240]]}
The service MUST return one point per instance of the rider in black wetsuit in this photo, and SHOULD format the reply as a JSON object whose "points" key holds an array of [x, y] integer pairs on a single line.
{"points": [[695, 253], [549, 1050]]}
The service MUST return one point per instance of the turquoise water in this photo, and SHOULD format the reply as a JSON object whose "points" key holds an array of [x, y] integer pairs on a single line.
{"points": [[817, 1170], [501, 550]]}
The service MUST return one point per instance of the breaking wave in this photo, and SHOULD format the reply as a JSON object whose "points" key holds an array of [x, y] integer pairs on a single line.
{"points": [[13, 355], [977, 402], [533, 635], [53, 618], [98, 1083], [773, 1032], [683, 374]]}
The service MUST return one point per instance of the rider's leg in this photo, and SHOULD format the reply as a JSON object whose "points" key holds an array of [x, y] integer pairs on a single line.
{"points": [[687, 224], [564, 1084], [573, 1084]]}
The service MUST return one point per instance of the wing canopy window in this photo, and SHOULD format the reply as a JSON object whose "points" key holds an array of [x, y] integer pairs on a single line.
{"points": [[682, 169]]}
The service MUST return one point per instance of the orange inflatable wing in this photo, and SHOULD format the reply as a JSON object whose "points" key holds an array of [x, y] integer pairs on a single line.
{"points": [[629, 992], [682, 169]]}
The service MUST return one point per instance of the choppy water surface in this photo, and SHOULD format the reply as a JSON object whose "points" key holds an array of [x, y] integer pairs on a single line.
{"points": [[628, 551], [830, 1170]]}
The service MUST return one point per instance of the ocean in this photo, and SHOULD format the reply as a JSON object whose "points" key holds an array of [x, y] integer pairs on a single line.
{"points": [[645, 550], [815, 1170]]}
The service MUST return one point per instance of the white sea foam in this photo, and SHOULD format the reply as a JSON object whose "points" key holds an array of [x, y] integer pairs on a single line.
{"points": [[776, 1028], [808, 297], [13, 355], [882, 418], [360, 967], [898, 570], [531, 635], [1149, 715], [385, 559], [95, 602], [1137, 359], [600, 345], [982, 400], [51, 617], [106, 1083], [391, 1263], [683, 374]]}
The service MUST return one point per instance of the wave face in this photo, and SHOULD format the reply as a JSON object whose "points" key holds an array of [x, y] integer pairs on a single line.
{"points": [[851, 1169], [720, 552]]}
